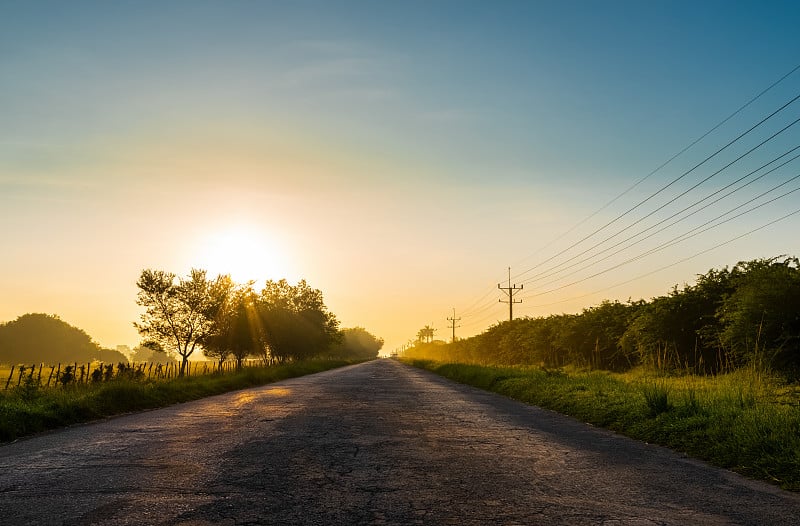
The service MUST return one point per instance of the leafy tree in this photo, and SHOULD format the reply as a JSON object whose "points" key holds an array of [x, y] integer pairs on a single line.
{"points": [[761, 318], [110, 356], [295, 322], [180, 315], [357, 344], [45, 338], [237, 328]]}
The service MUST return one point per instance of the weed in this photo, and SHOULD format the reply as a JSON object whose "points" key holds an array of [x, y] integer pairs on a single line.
{"points": [[656, 396]]}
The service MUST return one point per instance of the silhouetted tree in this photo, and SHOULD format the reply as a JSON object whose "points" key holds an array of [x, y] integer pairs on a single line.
{"points": [[426, 334], [237, 330], [295, 322], [357, 344], [37, 337], [180, 315]]}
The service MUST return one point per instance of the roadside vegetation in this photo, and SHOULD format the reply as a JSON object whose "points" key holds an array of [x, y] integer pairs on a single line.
{"points": [[745, 421], [711, 369], [56, 375], [731, 318], [30, 408]]}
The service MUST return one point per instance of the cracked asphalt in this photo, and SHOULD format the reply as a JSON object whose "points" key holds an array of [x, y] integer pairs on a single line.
{"points": [[379, 443]]}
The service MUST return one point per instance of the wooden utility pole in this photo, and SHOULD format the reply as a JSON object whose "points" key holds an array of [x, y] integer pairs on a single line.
{"points": [[510, 291], [453, 325]]}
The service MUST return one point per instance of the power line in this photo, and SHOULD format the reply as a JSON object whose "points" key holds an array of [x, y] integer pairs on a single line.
{"points": [[475, 308], [751, 150], [668, 161], [665, 187], [680, 238], [762, 227], [558, 269]]}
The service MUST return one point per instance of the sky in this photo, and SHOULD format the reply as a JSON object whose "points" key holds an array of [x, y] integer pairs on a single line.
{"points": [[399, 156]]}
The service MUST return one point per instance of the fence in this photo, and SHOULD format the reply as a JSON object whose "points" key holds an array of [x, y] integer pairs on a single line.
{"points": [[95, 372]]}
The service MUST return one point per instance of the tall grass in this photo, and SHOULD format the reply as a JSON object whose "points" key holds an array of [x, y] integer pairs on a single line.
{"points": [[746, 421], [29, 409]]}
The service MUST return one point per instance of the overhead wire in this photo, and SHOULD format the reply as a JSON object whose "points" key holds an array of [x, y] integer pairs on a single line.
{"points": [[475, 308], [683, 260], [665, 228], [668, 161], [558, 269], [683, 237], [665, 187]]}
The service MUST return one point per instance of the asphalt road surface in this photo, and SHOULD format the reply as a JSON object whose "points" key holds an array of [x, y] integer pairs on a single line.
{"points": [[377, 443]]}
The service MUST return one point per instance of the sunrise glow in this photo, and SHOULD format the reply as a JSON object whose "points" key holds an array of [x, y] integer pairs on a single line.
{"points": [[244, 252]]}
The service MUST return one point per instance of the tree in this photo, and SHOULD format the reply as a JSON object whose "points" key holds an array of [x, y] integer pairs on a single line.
{"points": [[295, 322], [357, 344], [180, 315], [237, 329], [46, 338], [425, 334], [761, 317]]}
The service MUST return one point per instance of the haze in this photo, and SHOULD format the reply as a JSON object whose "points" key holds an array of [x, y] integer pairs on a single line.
{"points": [[399, 156]]}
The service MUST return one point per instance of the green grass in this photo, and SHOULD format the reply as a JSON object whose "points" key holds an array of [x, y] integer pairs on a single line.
{"points": [[24, 411], [744, 421]]}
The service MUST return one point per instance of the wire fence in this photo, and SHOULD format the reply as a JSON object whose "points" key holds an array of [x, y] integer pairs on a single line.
{"points": [[62, 375]]}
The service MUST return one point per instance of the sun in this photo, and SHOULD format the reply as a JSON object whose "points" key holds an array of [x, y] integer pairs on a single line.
{"points": [[244, 252]]}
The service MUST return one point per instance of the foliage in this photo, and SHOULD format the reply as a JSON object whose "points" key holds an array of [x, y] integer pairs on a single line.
{"points": [[729, 318], [237, 330], [357, 344], [425, 334], [283, 323], [178, 316], [761, 318], [36, 338], [294, 321]]}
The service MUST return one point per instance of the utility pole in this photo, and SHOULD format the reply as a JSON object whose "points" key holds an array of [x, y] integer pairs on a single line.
{"points": [[453, 325], [510, 291]]}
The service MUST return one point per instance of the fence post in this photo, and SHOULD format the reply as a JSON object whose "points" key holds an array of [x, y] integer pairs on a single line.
{"points": [[52, 368], [10, 376]]}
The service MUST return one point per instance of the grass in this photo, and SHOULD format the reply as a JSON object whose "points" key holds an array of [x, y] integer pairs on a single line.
{"points": [[745, 421], [25, 410]]}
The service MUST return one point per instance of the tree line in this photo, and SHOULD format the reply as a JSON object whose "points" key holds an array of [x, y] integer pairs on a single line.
{"points": [[729, 318], [37, 337], [217, 317], [224, 319]]}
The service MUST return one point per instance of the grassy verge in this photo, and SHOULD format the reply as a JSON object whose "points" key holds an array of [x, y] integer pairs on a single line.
{"points": [[27, 411], [744, 421]]}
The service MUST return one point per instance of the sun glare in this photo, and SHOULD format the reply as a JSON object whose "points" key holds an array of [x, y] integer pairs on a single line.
{"points": [[243, 252]]}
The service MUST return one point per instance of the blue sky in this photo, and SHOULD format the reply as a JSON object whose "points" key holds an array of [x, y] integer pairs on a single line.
{"points": [[407, 151]]}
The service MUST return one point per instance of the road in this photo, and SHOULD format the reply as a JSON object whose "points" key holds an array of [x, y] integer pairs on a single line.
{"points": [[377, 443]]}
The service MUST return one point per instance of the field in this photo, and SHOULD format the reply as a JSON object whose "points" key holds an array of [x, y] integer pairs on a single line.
{"points": [[48, 375], [29, 408], [746, 421]]}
